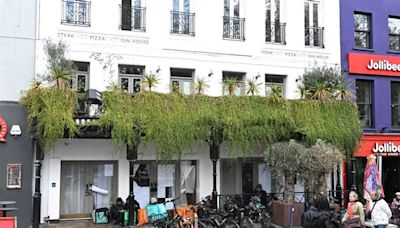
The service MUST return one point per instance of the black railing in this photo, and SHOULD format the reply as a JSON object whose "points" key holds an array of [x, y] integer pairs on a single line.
{"points": [[275, 32], [133, 18], [233, 28], [182, 23], [76, 12], [314, 36]]}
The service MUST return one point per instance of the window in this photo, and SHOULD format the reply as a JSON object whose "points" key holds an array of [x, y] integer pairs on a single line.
{"points": [[394, 33], [275, 84], [76, 12], [364, 102], [362, 28], [182, 21], [233, 83], [181, 80], [133, 16], [314, 35], [274, 30], [130, 78], [395, 94], [80, 81], [233, 25]]}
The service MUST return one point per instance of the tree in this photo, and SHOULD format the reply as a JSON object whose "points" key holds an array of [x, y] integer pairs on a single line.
{"points": [[252, 87], [324, 83], [231, 85], [200, 86], [150, 80], [287, 159]]}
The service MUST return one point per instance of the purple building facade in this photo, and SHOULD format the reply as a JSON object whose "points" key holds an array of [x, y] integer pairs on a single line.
{"points": [[370, 56]]}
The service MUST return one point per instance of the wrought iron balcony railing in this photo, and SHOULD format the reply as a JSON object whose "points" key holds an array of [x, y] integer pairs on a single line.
{"points": [[182, 23], [133, 18], [76, 12], [233, 28], [314, 36], [275, 32]]}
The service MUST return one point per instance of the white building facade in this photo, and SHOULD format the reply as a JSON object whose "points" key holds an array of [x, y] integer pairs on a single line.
{"points": [[271, 41]]}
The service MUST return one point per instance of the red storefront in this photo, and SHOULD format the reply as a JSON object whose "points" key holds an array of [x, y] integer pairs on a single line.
{"points": [[387, 149]]}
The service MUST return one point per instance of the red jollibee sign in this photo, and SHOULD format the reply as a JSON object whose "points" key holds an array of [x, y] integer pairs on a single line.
{"points": [[374, 64], [380, 145], [3, 130]]}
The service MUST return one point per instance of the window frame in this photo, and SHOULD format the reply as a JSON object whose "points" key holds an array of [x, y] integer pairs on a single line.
{"points": [[241, 83], [369, 104], [131, 77], [76, 6], [181, 79], [367, 32], [395, 105], [270, 84], [74, 84], [390, 34]]}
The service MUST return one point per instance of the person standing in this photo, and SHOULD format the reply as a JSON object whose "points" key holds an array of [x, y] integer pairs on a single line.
{"points": [[354, 216], [380, 211], [395, 207]]}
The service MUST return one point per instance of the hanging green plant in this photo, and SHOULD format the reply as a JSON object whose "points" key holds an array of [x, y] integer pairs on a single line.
{"points": [[52, 107]]}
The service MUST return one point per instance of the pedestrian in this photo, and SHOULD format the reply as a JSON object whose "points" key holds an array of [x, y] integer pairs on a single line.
{"points": [[380, 211], [117, 210], [395, 208], [354, 216], [262, 194]]}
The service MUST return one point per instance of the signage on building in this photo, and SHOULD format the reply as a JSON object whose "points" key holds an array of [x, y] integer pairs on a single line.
{"points": [[380, 145], [374, 64], [3, 130], [15, 130]]}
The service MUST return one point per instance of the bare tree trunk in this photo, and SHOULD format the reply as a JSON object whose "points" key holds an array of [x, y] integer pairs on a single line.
{"points": [[322, 185], [289, 188]]}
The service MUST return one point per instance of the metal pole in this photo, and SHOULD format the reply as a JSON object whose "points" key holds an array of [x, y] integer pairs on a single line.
{"points": [[214, 193], [338, 186], [353, 173], [131, 221], [37, 196]]}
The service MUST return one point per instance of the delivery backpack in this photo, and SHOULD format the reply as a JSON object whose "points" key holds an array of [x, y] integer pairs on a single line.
{"points": [[100, 215]]}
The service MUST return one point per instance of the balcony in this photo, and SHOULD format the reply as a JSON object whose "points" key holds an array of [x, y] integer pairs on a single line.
{"points": [[314, 36], [76, 12], [182, 23], [233, 28], [133, 18], [275, 32]]}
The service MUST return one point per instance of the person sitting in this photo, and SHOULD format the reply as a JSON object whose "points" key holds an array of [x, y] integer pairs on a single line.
{"points": [[319, 215], [259, 191], [116, 211]]}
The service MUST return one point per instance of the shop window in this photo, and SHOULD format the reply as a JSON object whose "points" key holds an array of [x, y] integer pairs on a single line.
{"points": [[394, 33], [275, 84], [233, 83], [130, 77], [395, 104], [362, 30], [364, 101], [181, 80], [80, 80]]}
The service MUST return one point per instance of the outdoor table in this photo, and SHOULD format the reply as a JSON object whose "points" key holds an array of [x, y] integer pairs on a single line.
{"points": [[4, 208]]}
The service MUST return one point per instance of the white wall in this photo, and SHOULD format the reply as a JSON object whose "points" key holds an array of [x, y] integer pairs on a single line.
{"points": [[17, 47], [204, 52]]}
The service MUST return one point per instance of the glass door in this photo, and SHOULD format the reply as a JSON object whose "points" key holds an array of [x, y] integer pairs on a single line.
{"points": [[77, 201]]}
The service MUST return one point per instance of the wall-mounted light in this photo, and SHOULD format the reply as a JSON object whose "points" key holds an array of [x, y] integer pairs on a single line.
{"points": [[210, 74], [258, 76], [158, 70]]}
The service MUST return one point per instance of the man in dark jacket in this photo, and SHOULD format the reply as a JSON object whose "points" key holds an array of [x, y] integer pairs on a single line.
{"points": [[117, 211]]}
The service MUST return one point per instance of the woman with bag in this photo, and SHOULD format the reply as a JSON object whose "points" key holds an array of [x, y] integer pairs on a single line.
{"points": [[354, 216]]}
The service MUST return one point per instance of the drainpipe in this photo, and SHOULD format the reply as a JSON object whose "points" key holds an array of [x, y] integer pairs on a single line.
{"points": [[37, 196], [131, 155]]}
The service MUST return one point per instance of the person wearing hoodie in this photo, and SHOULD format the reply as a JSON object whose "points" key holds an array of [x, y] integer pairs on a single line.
{"points": [[380, 211]]}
